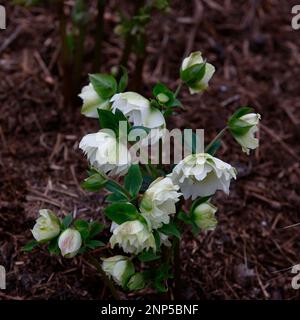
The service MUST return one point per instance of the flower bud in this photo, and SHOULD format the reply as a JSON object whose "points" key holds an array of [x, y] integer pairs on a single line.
{"points": [[47, 226], [193, 74], [69, 243], [136, 282], [243, 125], [92, 101], [204, 216], [120, 268]]}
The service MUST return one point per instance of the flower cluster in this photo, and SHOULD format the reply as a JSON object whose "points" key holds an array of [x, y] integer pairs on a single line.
{"points": [[150, 206]]}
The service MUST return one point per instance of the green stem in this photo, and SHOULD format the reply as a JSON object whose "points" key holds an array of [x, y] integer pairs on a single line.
{"points": [[106, 280], [178, 89], [217, 137]]}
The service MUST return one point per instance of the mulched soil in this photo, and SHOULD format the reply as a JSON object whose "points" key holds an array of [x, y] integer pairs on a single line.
{"points": [[257, 56]]}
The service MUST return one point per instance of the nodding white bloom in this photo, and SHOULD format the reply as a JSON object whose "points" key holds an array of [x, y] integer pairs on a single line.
{"points": [[120, 268], [92, 101], [196, 58], [69, 243], [138, 110], [105, 153], [202, 175], [159, 200], [47, 226], [132, 237], [248, 125], [204, 216]]}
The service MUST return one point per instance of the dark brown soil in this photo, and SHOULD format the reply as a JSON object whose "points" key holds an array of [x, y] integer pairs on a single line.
{"points": [[257, 55]]}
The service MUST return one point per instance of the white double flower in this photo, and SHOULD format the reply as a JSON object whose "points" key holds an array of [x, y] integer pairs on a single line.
{"points": [[105, 153], [202, 175], [132, 237], [159, 200]]}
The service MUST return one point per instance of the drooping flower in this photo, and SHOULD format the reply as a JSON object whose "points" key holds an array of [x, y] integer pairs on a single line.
{"points": [[198, 86], [243, 129], [69, 243], [105, 153], [138, 110], [132, 237], [202, 175], [47, 226], [204, 216], [92, 101], [159, 200], [120, 268]]}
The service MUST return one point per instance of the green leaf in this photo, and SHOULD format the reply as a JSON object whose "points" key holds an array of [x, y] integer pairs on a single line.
{"points": [[133, 180], [94, 183], [30, 245], [114, 187], [104, 84], [147, 256], [67, 221], [83, 228], [53, 246], [170, 230], [184, 217], [116, 197], [240, 112], [108, 120], [93, 244], [121, 212], [193, 74], [123, 80], [165, 96], [95, 228]]}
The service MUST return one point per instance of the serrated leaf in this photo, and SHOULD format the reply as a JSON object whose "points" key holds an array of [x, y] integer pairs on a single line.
{"points": [[121, 212], [104, 84], [133, 180]]}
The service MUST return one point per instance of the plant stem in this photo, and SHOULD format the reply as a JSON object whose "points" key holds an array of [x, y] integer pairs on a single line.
{"points": [[99, 35], [217, 137], [106, 280], [178, 89]]}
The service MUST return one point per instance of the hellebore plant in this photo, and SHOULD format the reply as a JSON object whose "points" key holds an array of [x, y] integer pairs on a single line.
{"points": [[150, 205]]}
